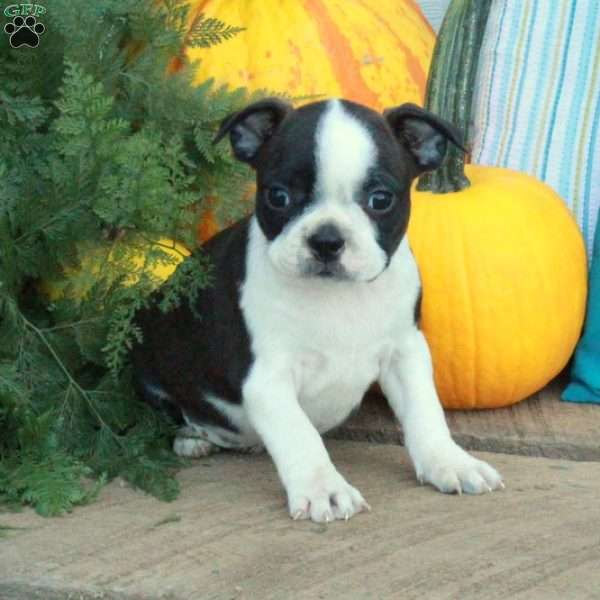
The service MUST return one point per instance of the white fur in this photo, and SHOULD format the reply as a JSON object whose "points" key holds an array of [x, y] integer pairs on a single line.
{"points": [[192, 447], [156, 391], [345, 152]]}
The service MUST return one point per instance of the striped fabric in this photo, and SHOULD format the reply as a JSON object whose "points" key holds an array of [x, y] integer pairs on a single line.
{"points": [[537, 105], [434, 11]]}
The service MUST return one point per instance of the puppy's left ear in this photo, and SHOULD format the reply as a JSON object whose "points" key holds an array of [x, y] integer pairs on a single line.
{"points": [[423, 134]]}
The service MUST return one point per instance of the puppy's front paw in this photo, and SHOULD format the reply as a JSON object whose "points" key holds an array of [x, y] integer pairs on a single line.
{"points": [[452, 470], [323, 496]]}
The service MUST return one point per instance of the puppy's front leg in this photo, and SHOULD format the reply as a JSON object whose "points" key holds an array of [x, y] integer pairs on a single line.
{"points": [[314, 487], [407, 381]]}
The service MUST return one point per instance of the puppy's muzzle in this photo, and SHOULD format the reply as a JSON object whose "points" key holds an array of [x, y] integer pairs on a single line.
{"points": [[326, 243]]}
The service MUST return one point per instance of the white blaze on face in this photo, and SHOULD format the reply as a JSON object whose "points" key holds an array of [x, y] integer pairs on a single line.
{"points": [[344, 154]]}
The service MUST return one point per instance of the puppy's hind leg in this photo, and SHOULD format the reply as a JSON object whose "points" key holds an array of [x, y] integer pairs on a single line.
{"points": [[191, 442]]}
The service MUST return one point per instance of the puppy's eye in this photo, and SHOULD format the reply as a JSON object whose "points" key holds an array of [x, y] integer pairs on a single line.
{"points": [[380, 201], [278, 198]]}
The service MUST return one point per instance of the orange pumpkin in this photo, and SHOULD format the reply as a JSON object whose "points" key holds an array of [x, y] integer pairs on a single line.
{"points": [[375, 52], [504, 275], [207, 225]]}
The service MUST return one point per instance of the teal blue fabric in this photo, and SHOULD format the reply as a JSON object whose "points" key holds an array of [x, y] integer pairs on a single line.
{"points": [[585, 373]]}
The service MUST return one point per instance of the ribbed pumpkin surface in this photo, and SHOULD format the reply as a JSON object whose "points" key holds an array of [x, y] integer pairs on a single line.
{"points": [[504, 286], [375, 52]]}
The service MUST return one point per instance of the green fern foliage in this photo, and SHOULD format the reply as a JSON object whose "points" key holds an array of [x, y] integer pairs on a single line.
{"points": [[103, 159], [207, 32]]}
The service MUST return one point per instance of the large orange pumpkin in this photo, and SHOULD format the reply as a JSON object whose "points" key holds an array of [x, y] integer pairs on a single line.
{"points": [[375, 52], [502, 260], [504, 276]]}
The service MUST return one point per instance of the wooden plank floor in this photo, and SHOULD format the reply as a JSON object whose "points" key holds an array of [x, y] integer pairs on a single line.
{"points": [[228, 537], [542, 425]]}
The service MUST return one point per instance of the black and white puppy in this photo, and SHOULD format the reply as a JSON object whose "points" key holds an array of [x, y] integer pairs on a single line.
{"points": [[316, 296]]}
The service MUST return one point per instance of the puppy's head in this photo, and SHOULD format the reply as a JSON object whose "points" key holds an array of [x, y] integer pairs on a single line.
{"points": [[333, 180]]}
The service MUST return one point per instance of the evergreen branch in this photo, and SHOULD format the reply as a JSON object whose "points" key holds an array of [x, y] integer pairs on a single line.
{"points": [[173, 247], [56, 218], [74, 324], [72, 382], [207, 32]]}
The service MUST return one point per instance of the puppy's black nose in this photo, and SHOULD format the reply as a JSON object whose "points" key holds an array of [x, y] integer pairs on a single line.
{"points": [[326, 243]]}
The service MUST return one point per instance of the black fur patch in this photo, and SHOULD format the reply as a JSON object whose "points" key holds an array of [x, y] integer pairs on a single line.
{"points": [[288, 160], [418, 304], [188, 357]]}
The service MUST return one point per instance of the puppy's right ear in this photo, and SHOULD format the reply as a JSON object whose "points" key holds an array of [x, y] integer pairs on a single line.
{"points": [[250, 128]]}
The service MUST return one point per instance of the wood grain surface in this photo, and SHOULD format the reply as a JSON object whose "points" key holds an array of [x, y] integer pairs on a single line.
{"points": [[228, 537], [541, 425]]}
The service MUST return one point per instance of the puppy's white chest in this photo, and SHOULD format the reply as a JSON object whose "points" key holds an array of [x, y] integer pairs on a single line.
{"points": [[331, 385], [330, 336]]}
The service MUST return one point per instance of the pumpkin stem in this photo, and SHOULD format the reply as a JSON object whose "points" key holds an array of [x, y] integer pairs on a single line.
{"points": [[451, 83]]}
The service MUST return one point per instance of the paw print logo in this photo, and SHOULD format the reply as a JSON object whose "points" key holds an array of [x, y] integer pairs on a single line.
{"points": [[24, 32]]}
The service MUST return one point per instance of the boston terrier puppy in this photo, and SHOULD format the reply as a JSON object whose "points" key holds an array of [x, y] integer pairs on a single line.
{"points": [[316, 296]]}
